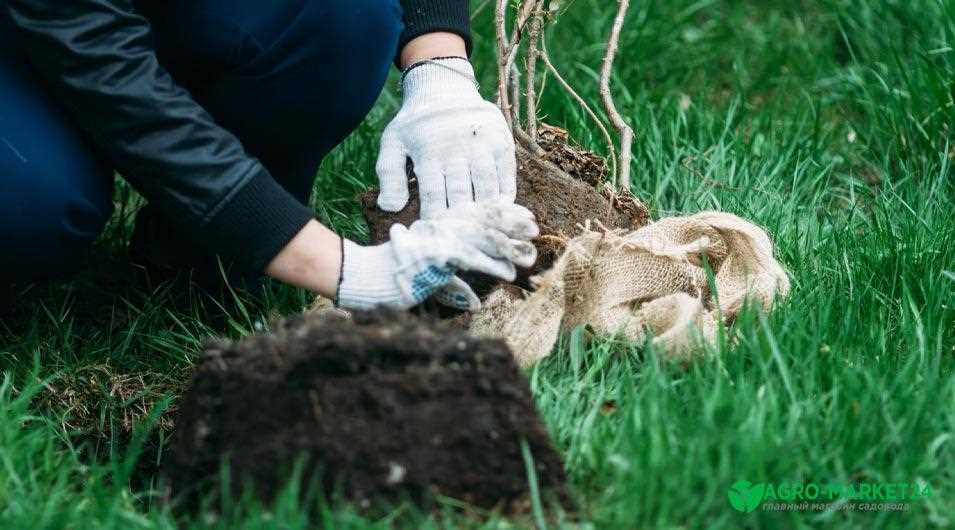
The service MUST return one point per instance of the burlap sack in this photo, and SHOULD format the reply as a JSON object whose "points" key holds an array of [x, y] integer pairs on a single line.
{"points": [[651, 280]]}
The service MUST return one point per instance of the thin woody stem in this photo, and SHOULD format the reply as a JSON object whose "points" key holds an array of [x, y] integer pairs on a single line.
{"points": [[507, 52], [514, 78], [606, 69], [533, 53], [502, 53], [545, 57]]}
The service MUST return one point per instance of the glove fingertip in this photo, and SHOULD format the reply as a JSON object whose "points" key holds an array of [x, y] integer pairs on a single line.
{"points": [[468, 301], [509, 273], [525, 254], [523, 211], [392, 202], [458, 295]]}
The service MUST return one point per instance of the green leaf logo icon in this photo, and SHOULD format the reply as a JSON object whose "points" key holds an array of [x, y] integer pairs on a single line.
{"points": [[745, 496]]}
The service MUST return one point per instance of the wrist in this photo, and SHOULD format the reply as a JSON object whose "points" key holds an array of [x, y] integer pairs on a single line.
{"points": [[434, 60], [311, 260], [431, 45]]}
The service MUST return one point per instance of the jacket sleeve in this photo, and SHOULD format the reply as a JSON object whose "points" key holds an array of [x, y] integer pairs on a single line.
{"points": [[428, 16], [97, 57]]}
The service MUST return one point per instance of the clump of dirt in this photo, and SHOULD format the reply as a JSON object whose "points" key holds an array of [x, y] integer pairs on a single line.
{"points": [[578, 163], [385, 404], [563, 187]]}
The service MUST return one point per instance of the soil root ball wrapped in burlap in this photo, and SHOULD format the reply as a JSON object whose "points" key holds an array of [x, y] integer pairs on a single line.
{"points": [[387, 405], [563, 188], [635, 283]]}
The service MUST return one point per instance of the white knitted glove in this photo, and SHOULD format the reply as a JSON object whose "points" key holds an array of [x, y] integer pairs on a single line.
{"points": [[461, 147], [422, 260]]}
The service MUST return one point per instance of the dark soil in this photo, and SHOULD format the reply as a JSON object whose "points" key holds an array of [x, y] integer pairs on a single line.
{"points": [[387, 405], [563, 189]]}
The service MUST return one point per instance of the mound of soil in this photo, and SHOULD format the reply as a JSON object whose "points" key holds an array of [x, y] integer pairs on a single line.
{"points": [[386, 405], [563, 188]]}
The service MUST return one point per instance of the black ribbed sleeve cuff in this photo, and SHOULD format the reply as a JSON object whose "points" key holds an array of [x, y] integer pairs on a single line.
{"points": [[429, 16], [255, 223]]}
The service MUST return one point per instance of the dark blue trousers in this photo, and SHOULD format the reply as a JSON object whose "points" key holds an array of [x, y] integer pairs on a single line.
{"points": [[290, 78]]}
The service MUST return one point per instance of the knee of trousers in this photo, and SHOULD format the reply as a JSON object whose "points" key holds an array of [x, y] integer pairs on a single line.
{"points": [[281, 55], [55, 194], [328, 69], [50, 215], [348, 64], [359, 36], [290, 78]]}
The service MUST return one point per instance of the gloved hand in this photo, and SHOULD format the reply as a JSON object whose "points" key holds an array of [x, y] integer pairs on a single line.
{"points": [[461, 147], [422, 260]]}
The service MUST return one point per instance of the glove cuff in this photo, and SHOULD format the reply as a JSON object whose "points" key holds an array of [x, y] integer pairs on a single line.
{"points": [[406, 71], [367, 277], [434, 76]]}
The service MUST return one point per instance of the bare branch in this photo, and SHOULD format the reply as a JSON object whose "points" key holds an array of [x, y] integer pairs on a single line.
{"points": [[530, 15], [502, 52], [514, 44], [527, 9], [514, 78], [507, 52], [542, 86], [606, 69], [533, 53], [580, 101]]}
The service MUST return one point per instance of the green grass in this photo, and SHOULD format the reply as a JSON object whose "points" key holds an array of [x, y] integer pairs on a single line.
{"points": [[829, 122]]}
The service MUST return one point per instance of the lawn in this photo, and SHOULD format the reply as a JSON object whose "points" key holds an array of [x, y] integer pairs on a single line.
{"points": [[828, 122]]}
